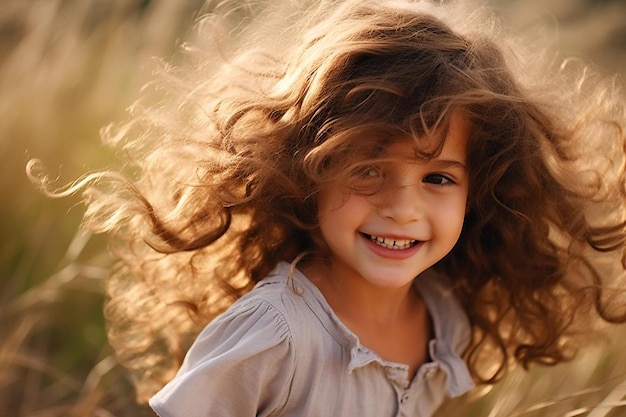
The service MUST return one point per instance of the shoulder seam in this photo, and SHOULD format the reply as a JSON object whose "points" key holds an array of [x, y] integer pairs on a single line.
{"points": [[290, 339]]}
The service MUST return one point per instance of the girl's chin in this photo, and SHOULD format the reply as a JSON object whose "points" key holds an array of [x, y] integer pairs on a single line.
{"points": [[390, 279]]}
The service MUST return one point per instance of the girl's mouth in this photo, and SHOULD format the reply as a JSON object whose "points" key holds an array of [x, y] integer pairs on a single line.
{"points": [[390, 243]]}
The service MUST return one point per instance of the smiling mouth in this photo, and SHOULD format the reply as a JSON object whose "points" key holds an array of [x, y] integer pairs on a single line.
{"points": [[389, 243]]}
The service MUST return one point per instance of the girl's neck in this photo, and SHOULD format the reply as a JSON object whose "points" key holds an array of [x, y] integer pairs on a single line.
{"points": [[354, 299], [393, 322]]}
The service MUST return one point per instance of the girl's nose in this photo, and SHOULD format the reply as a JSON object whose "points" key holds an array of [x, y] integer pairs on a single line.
{"points": [[402, 204]]}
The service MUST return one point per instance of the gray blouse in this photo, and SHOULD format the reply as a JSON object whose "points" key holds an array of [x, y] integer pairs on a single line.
{"points": [[281, 351]]}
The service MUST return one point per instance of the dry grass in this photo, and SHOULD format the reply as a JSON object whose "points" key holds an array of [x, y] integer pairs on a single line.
{"points": [[68, 67]]}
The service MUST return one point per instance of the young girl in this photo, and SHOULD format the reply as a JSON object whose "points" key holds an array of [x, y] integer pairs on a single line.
{"points": [[365, 216]]}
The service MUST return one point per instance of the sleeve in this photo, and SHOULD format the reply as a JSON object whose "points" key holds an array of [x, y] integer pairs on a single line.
{"points": [[241, 364]]}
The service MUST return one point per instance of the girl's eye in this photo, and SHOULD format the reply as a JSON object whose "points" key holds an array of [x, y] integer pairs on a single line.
{"points": [[438, 179], [370, 172], [367, 180]]}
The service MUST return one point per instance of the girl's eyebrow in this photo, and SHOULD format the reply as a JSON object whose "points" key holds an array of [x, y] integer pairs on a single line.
{"points": [[449, 163]]}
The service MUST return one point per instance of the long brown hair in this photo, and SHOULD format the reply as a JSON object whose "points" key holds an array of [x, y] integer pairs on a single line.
{"points": [[229, 160]]}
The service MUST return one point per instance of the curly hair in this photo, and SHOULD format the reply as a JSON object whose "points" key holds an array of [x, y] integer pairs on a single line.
{"points": [[229, 158]]}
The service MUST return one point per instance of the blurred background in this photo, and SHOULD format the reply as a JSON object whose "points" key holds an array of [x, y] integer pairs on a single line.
{"points": [[67, 69]]}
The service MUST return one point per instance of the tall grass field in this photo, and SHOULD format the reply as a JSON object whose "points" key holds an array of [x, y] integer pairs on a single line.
{"points": [[67, 69]]}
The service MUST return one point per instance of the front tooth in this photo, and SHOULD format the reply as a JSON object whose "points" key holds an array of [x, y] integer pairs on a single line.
{"points": [[391, 243]]}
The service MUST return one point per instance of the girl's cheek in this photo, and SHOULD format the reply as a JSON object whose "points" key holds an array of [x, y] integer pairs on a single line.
{"points": [[451, 210]]}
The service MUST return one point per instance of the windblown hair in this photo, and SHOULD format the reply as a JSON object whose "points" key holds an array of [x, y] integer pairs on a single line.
{"points": [[228, 162]]}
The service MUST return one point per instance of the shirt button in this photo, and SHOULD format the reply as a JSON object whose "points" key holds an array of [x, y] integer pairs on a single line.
{"points": [[404, 399]]}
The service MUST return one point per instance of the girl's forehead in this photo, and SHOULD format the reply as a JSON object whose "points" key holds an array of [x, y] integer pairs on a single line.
{"points": [[451, 145], [457, 136]]}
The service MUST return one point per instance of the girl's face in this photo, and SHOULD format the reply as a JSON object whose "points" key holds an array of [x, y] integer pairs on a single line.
{"points": [[410, 223]]}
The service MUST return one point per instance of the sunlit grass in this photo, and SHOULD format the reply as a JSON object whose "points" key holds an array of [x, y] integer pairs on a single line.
{"points": [[67, 68]]}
